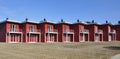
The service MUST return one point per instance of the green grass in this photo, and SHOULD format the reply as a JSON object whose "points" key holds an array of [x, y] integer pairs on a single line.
{"points": [[82, 50]]}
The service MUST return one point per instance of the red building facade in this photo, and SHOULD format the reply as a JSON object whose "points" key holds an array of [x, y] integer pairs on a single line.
{"points": [[81, 34], [97, 33], [117, 31], [45, 31], [48, 31], [66, 33], [10, 31], [109, 33], [31, 32]]}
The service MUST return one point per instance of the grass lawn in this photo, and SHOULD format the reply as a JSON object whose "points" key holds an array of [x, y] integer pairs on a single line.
{"points": [[82, 50]]}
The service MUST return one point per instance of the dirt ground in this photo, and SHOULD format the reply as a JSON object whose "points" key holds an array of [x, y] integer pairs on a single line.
{"points": [[82, 50]]}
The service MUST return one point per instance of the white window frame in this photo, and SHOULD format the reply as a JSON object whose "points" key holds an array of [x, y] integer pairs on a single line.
{"points": [[31, 29], [66, 28], [13, 28], [49, 28]]}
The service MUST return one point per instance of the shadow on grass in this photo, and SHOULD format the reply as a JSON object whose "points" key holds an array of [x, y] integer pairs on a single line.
{"points": [[113, 47]]}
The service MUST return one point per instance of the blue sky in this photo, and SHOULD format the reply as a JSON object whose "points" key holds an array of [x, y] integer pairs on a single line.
{"points": [[55, 10]]}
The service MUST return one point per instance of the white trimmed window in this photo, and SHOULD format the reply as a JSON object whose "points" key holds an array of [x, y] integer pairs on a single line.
{"points": [[31, 28], [13, 28], [82, 28], [49, 28], [66, 28]]}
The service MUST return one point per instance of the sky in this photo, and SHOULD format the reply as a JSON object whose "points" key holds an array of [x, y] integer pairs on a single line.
{"points": [[55, 10]]}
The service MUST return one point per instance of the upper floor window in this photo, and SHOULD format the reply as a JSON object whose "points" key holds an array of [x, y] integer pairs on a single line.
{"points": [[31, 28], [109, 29], [49, 28], [82, 27], [96, 29], [66, 28], [13, 28]]}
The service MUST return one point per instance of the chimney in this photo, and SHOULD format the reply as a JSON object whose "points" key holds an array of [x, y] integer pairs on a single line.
{"points": [[26, 19], [45, 20], [118, 22], [62, 20], [106, 21], [7, 18], [92, 21], [78, 21]]}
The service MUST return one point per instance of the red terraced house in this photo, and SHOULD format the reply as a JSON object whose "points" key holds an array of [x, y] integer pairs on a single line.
{"points": [[31, 32], [10, 31], [81, 34], [45, 31], [48, 31], [66, 33], [109, 33], [117, 30], [95, 33]]}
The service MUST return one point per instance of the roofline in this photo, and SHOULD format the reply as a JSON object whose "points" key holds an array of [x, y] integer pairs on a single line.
{"points": [[64, 23], [92, 24], [107, 24], [10, 21], [116, 24], [80, 23], [30, 22], [47, 22], [13, 21]]}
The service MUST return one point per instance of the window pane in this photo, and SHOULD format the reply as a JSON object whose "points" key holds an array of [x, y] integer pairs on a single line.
{"points": [[31, 28], [49, 28], [13, 28], [66, 28]]}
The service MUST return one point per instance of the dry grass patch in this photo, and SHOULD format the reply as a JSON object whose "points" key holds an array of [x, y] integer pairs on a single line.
{"points": [[82, 50]]}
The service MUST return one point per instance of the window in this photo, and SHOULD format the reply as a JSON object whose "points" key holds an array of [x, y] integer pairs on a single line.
{"points": [[49, 28], [82, 28], [13, 28], [109, 29], [66, 28], [31, 28], [97, 30]]}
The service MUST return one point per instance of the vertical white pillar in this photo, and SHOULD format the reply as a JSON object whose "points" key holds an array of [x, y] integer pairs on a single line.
{"points": [[73, 38], [88, 37], [39, 37], [109, 37], [99, 37], [35, 37], [115, 36], [63, 37], [66, 37], [18, 38], [53, 37], [83, 38], [6, 38], [9, 40], [94, 37], [48, 37], [45, 36], [79, 37], [102, 37], [57, 37], [29, 38], [21, 38]]}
